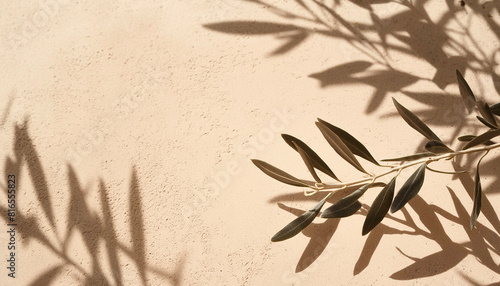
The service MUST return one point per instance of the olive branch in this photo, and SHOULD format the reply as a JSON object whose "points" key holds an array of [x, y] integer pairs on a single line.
{"points": [[349, 147]]}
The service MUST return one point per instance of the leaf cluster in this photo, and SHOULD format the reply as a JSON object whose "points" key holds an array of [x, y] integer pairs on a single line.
{"points": [[350, 149]]}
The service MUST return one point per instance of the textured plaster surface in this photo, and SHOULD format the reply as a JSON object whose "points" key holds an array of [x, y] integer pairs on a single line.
{"points": [[130, 126]]}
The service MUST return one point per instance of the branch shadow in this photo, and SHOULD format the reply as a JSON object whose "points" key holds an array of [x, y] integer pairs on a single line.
{"points": [[449, 256], [400, 28], [95, 228]]}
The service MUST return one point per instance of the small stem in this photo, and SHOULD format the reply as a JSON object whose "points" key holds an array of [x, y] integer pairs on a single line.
{"points": [[399, 168], [446, 172], [333, 192]]}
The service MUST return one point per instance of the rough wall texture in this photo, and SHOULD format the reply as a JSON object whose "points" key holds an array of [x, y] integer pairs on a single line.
{"points": [[129, 127]]}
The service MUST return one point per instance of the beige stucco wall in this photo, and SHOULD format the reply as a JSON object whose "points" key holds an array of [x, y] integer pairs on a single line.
{"points": [[129, 126]]}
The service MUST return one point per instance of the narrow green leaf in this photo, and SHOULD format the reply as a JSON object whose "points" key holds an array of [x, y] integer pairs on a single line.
{"points": [[410, 189], [495, 109], [486, 123], [415, 122], [317, 162], [477, 196], [345, 211], [308, 162], [467, 96], [347, 206], [339, 146], [483, 138], [487, 115], [280, 175], [410, 157], [437, 147], [356, 147], [380, 207], [298, 224], [466, 138]]}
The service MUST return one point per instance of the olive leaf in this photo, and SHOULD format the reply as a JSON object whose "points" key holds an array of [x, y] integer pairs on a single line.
{"points": [[415, 122], [339, 146], [486, 123], [477, 196], [487, 115], [347, 206], [467, 95], [466, 138], [495, 109], [298, 224], [483, 138], [410, 157], [317, 162], [280, 175], [307, 161], [380, 207], [410, 189], [437, 147], [356, 147]]}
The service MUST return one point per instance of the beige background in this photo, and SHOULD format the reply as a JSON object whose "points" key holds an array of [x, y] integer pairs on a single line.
{"points": [[130, 126]]}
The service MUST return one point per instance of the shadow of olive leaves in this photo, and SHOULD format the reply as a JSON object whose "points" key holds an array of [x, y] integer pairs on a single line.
{"points": [[480, 242], [94, 227], [407, 22], [348, 203]]}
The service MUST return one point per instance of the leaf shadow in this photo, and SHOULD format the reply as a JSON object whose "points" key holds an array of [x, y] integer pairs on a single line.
{"points": [[474, 282], [24, 149], [48, 277], [109, 235], [96, 228], [449, 256], [375, 237], [137, 226], [383, 81], [8, 108], [451, 253], [319, 234], [487, 208], [401, 28], [88, 224]]}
